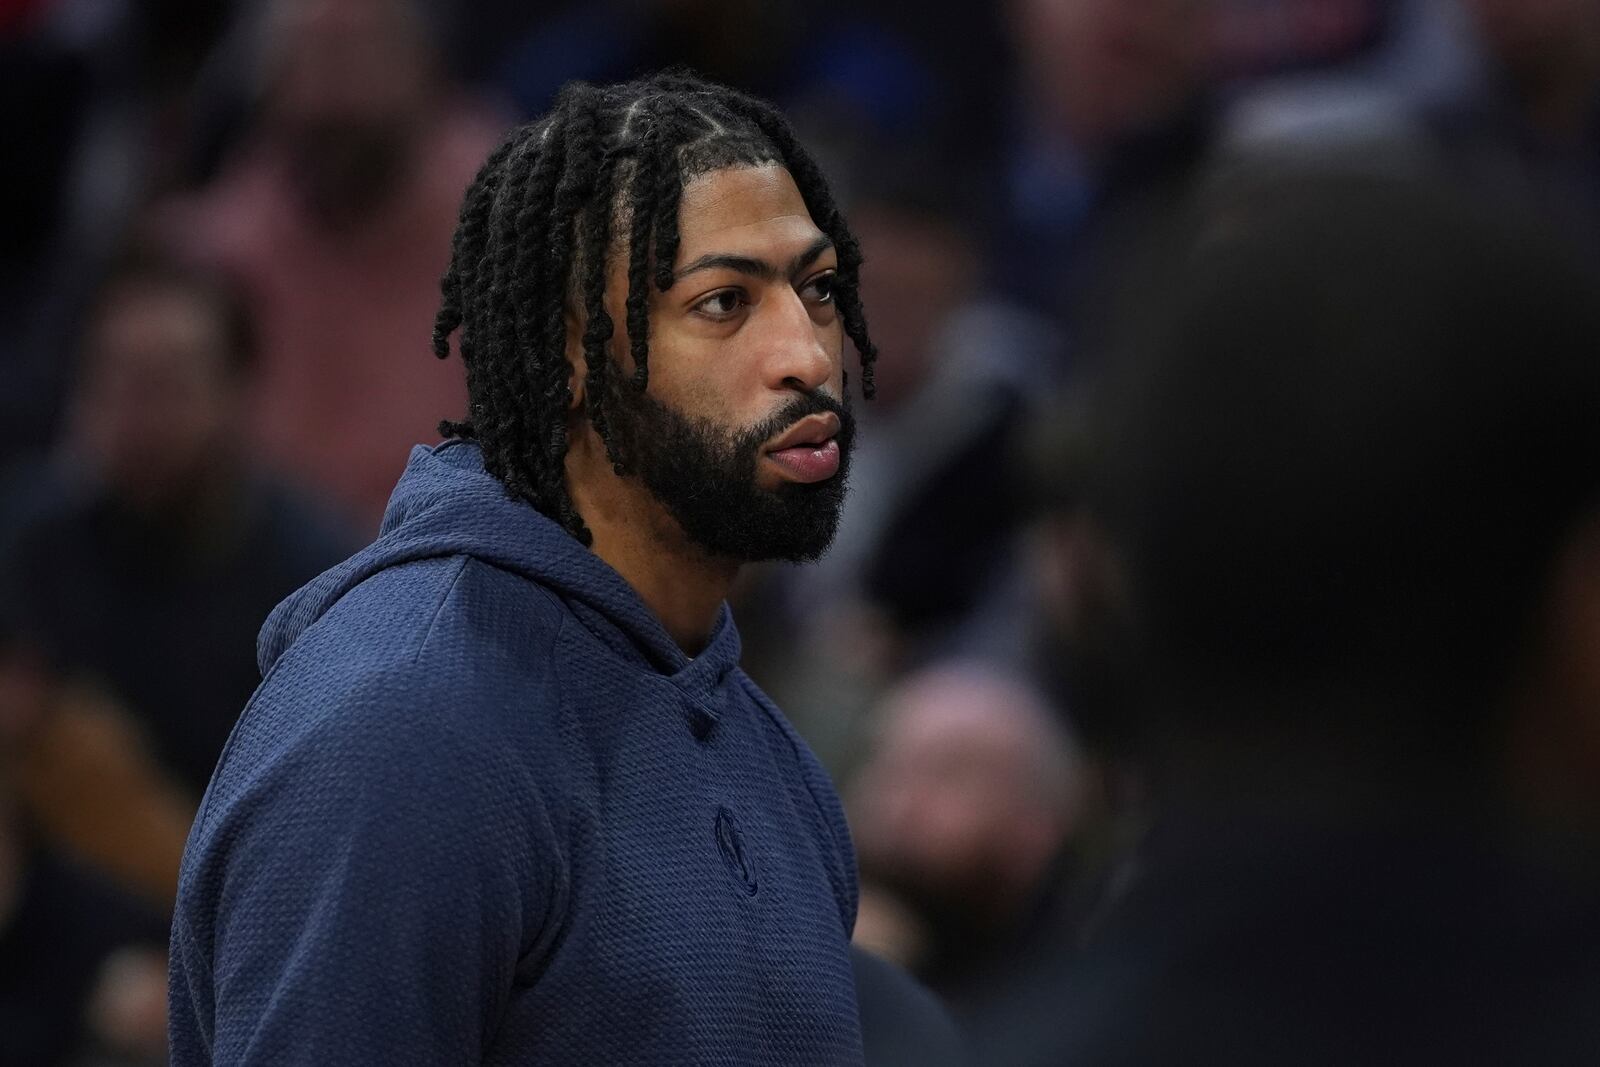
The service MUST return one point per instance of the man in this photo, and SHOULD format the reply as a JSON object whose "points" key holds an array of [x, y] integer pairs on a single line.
{"points": [[139, 568], [67, 938], [1346, 465], [504, 794], [965, 819], [335, 210], [1114, 106]]}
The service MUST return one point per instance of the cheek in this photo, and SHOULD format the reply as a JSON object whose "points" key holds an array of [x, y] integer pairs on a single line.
{"points": [[702, 378], [832, 335]]}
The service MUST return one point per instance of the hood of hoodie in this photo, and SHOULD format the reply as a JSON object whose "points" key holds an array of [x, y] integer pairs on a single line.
{"points": [[446, 504]]}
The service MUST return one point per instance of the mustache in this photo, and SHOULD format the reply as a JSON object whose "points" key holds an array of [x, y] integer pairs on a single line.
{"points": [[818, 403]]}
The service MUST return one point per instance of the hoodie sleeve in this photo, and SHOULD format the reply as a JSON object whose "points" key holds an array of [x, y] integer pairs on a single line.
{"points": [[366, 894]]}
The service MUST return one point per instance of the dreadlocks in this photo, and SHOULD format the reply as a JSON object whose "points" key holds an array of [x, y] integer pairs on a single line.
{"points": [[536, 226]]}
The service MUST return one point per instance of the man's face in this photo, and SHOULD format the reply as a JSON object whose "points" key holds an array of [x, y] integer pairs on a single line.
{"points": [[157, 403], [1108, 68], [343, 66], [349, 84], [970, 792], [744, 433]]}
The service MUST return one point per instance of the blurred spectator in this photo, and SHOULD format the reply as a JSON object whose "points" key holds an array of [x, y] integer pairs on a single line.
{"points": [[747, 44], [925, 558], [929, 493], [97, 97], [144, 570], [1253, 38], [1113, 98], [1347, 465], [856, 78], [336, 216], [69, 941], [931, 490], [1324, 76], [1099, 71], [71, 108], [964, 818], [87, 781]]}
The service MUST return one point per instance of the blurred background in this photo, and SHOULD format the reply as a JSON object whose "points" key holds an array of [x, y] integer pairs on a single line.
{"points": [[219, 268]]}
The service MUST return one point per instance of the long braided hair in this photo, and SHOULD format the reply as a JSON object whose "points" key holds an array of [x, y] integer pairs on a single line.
{"points": [[536, 226]]}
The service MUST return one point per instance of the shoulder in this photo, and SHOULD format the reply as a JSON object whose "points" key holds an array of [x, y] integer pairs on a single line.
{"points": [[389, 799], [432, 672], [443, 621]]}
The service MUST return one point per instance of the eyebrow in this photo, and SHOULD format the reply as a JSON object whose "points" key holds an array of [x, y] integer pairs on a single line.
{"points": [[758, 268]]}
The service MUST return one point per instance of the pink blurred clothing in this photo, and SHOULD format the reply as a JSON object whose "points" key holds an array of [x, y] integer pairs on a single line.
{"points": [[347, 379]]}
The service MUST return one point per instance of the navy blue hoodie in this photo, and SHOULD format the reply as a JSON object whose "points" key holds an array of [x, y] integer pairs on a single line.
{"points": [[483, 809]]}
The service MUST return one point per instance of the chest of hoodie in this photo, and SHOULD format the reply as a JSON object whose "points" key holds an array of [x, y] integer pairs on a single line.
{"points": [[696, 865]]}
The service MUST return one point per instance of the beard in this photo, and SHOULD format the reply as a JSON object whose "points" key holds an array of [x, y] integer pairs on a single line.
{"points": [[705, 476]]}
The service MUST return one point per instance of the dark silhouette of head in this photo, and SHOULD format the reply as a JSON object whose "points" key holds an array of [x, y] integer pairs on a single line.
{"points": [[159, 404], [1345, 449]]}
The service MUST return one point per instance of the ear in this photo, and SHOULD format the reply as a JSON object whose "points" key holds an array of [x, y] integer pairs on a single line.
{"points": [[577, 365]]}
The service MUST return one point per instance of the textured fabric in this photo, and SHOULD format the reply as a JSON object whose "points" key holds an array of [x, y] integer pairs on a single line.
{"points": [[482, 809]]}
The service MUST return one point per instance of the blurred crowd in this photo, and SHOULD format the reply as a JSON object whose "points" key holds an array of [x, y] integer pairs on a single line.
{"points": [[218, 276]]}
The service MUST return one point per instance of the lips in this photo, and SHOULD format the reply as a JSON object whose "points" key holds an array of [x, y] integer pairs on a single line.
{"points": [[809, 450]]}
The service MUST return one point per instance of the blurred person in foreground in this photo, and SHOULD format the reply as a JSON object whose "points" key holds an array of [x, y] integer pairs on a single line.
{"points": [[1347, 468], [143, 568], [336, 215], [964, 819], [505, 794]]}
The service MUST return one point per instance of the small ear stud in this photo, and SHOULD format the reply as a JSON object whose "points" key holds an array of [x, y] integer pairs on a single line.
{"points": [[618, 468]]}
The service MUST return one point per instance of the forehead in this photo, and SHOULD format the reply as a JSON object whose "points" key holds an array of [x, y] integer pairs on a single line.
{"points": [[748, 209]]}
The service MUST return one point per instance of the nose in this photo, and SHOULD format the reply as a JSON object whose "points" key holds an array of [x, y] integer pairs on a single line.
{"points": [[801, 354]]}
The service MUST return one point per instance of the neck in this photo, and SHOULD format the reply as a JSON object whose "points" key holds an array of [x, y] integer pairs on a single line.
{"points": [[682, 585]]}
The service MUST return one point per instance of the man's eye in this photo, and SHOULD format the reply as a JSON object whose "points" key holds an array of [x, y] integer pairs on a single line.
{"points": [[721, 304], [821, 288]]}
